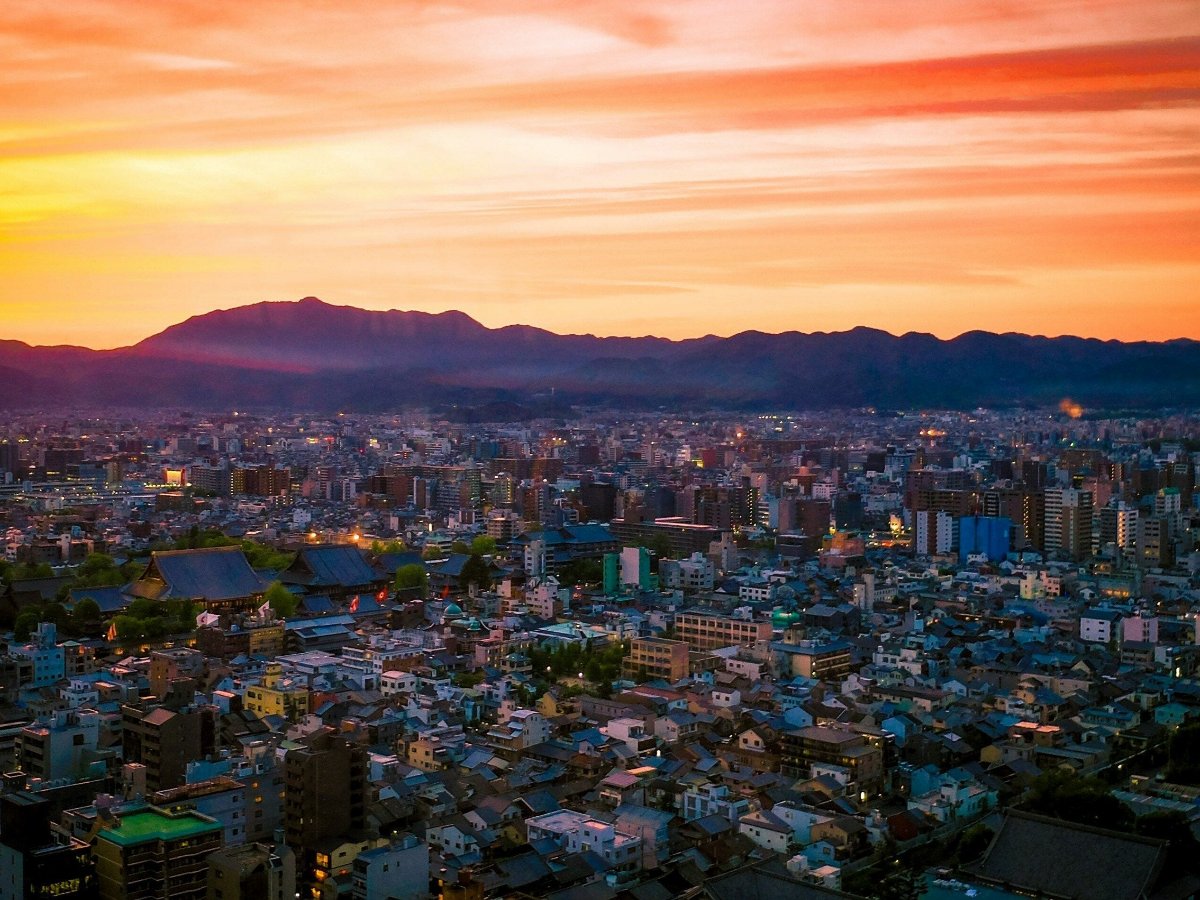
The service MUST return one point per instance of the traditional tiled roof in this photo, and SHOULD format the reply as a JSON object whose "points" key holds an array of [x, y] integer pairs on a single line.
{"points": [[1038, 854], [340, 565], [210, 574]]}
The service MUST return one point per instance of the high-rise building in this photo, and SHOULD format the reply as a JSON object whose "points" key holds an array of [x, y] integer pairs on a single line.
{"points": [[153, 854], [1068, 523], [165, 741], [260, 481], [1155, 544], [1025, 508], [37, 860], [934, 532], [989, 536], [326, 784], [1118, 526]]}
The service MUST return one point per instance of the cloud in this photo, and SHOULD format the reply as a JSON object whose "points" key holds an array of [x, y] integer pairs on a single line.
{"points": [[767, 164]]}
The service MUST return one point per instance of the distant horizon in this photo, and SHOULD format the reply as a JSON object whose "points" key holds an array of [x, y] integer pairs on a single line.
{"points": [[131, 342]]}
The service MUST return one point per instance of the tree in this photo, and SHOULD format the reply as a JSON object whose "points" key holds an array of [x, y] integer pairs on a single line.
{"points": [[658, 544], [30, 570], [145, 608], [581, 571], [85, 616], [378, 548], [27, 621], [973, 842], [261, 556], [475, 571], [907, 884], [1183, 755], [412, 577], [483, 545], [460, 547], [282, 601], [129, 628], [1085, 801], [57, 613], [1169, 825]]}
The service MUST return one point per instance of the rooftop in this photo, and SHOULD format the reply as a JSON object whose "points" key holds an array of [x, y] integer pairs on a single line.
{"points": [[159, 825]]}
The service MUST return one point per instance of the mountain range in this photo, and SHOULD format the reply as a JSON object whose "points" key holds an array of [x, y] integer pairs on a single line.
{"points": [[311, 355]]}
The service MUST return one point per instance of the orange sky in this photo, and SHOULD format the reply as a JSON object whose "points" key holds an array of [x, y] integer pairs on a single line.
{"points": [[676, 167]]}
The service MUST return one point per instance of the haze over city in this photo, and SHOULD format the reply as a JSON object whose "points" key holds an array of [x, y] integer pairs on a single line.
{"points": [[675, 168]]}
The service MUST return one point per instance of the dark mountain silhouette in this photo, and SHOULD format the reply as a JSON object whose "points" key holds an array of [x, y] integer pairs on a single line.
{"points": [[312, 355]]}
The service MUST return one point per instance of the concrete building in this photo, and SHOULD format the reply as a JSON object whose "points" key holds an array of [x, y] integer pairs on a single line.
{"points": [[657, 658], [252, 872], [397, 871], [576, 832], [1068, 523], [711, 631], [36, 860], [1098, 626], [325, 800], [153, 854], [63, 744]]}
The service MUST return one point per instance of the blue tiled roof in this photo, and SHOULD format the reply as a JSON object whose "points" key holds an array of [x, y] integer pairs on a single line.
{"points": [[317, 605], [109, 599], [337, 564], [591, 533], [217, 573]]}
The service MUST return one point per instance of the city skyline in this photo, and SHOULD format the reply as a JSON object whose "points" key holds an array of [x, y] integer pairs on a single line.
{"points": [[675, 169]]}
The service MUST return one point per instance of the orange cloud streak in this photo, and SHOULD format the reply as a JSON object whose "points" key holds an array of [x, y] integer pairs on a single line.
{"points": [[681, 166]]}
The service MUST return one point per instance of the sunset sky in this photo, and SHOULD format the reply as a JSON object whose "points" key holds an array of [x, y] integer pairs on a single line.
{"points": [[669, 166]]}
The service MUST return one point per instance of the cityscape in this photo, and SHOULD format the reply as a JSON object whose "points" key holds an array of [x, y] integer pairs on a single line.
{"points": [[600, 450], [824, 654]]}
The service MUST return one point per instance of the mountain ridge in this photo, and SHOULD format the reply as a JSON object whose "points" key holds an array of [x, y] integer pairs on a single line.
{"points": [[312, 354]]}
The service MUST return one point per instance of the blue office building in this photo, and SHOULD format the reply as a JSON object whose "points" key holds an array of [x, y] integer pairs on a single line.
{"points": [[989, 535]]}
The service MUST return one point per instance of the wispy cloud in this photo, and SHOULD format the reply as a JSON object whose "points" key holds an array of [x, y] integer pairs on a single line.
{"points": [[927, 165]]}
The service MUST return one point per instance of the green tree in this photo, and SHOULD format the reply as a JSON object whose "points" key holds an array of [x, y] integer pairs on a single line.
{"points": [[85, 617], [145, 608], [413, 576], [906, 884], [581, 571], [1183, 754], [130, 628], [483, 545], [1085, 801], [460, 547], [57, 613], [156, 627], [475, 571], [378, 548], [96, 562], [261, 556], [282, 601], [973, 842], [1169, 825], [30, 570], [27, 621]]}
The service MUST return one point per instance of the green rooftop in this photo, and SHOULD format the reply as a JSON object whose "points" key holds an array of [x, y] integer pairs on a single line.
{"points": [[159, 825]]}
